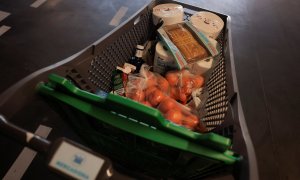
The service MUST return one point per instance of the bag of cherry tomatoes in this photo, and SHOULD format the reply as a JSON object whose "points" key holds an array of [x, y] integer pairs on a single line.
{"points": [[147, 88], [182, 84], [181, 115], [153, 90]]}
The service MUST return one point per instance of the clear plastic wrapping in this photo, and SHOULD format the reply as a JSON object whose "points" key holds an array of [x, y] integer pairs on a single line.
{"points": [[183, 83], [186, 43], [153, 90]]}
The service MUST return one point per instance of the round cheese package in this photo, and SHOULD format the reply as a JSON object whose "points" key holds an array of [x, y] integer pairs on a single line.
{"points": [[208, 23], [170, 13], [163, 59]]}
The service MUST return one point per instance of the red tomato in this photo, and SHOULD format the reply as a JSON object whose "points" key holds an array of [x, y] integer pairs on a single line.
{"points": [[147, 103], [186, 81], [151, 82], [166, 105], [186, 90], [172, 78], [198, 81], [174, 116], [149, 90], [174, 92], [163, 84], [177, 94], [156, 97], [185, 72], [137, 95], [201, 128], [151, 79], [193, 117], [182, 98], [191, 122]]}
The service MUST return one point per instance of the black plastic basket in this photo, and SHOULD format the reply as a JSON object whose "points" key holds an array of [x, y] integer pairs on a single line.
{"points": [[91, 70]]}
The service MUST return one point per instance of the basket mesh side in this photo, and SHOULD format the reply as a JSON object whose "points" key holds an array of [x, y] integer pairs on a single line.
{"points": [[117, 53], [217, 102]]}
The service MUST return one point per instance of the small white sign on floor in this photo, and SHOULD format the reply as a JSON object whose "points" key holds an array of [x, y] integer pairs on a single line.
{"points": [[4, 29], [37, 3], [3, 15], [25, 158]]}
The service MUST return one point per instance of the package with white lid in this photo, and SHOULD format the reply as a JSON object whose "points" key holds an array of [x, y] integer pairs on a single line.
{"points": [[163, 59], [208, 23], [170, 13], [201, 67]]}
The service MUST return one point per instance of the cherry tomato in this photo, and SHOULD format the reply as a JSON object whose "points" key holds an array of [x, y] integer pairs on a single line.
{"points": [[167, 104], [156, 97], [151, 82], [201, 128], [185, 72], [151, 79], [138, 95], [174, 92], [163, 84], [183, 98], [177, 94], [190, 121], [186, 90], [174, 116], [147, 103], [193, 117], [172, 78], [186, 81], [198, 81], [149, 90]]}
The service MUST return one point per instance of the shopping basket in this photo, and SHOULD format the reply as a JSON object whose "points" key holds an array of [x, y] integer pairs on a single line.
{"points": [[132, 135]]}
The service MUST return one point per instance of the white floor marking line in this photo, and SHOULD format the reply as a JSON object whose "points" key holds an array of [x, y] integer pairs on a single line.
{"points": [[3, 29], [3, 15], [25, 158], [115, 21], [37, 3]]}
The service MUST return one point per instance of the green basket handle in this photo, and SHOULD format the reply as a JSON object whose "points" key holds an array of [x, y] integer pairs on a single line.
{"points": [[136, 111], [153, 134]]}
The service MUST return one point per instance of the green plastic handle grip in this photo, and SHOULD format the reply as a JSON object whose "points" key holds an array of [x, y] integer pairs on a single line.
{"points": [[138, 112]]}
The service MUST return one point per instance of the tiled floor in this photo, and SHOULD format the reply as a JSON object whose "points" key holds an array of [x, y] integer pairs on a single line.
{"points": [[265, 43]]}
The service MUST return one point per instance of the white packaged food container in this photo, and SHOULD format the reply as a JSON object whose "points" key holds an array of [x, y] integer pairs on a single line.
{"points": [[163, 59], [208, 23], [201, 67], [169, 13]]}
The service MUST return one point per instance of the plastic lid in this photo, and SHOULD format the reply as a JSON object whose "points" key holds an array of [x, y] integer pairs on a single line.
{"points": [[166, 10], [162, 52], [140, 47], [207, 22]]}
